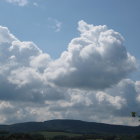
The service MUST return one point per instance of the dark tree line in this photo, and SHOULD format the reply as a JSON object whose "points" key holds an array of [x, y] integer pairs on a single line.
{"points": [[21, 136], [4, 135]]}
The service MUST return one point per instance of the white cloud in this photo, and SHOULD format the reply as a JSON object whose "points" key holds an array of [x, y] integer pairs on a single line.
{"points": [[97, 59], [40, 62], [18, 2], [138, 91], [5, 35], [86, 82], [116, 101]]}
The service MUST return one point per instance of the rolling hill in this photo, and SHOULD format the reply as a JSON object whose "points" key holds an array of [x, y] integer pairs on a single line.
{"points": [[72, 126]]}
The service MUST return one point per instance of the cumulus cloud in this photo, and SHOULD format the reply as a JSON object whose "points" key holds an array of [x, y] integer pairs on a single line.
{"points": [[108, 106], [21, 68], [100, 106], [87, 82], [18, 2], [97, 59]]}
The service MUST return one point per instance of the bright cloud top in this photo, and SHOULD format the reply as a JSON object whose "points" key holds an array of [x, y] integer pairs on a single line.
{"points": [[97, 59], [86, 82]]}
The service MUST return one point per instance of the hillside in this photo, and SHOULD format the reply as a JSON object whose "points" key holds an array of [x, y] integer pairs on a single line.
{"points": [[73, 126]]}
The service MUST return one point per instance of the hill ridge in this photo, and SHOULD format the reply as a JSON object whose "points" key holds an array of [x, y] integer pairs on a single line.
{"points": [[72, 126]]}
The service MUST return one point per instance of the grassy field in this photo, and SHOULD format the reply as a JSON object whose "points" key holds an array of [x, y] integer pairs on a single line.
{"points": [[41, 135], [53, 134], [50, 135]]}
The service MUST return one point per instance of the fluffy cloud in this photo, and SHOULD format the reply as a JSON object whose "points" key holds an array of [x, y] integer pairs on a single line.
{"points": [[87, 82], [113, 105], [18, 2], [21, 68], [101, 106], [97, 59]]}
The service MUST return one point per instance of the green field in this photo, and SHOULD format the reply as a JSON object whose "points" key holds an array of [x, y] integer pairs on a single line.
{"points": [[57, 135], [53, 134], [50, 135]]}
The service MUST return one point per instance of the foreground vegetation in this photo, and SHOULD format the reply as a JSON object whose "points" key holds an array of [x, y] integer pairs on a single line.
{"points": [[45, 135]]}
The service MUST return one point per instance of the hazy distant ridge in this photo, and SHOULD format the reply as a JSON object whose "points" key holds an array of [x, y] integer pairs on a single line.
{"points": [[74, 126]]}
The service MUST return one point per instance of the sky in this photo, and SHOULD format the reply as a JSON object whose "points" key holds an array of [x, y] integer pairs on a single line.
{"points": [[76, 59]]}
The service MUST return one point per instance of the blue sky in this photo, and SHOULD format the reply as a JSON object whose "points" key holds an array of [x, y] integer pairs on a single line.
{"points": [[30, 23], [69, 59]]}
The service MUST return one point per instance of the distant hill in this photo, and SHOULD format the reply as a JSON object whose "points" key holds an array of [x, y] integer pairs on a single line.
{"points": [[73, 126]]}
